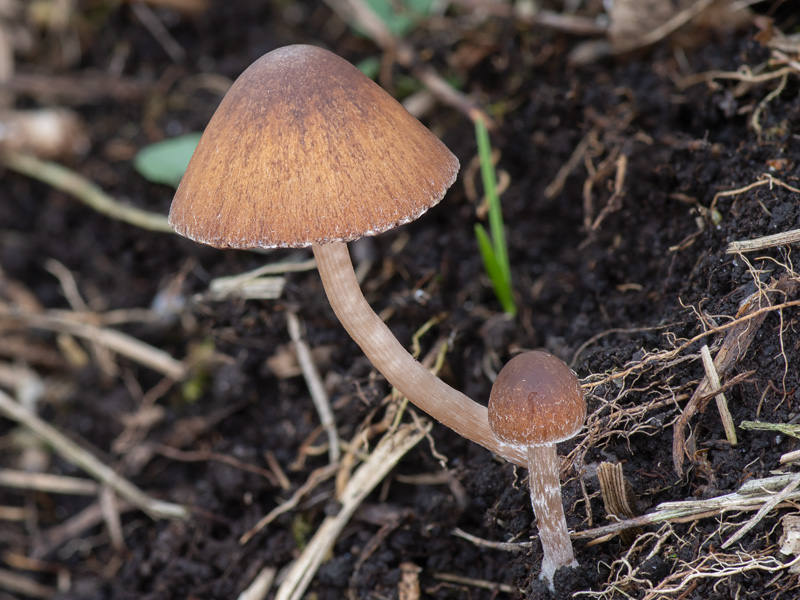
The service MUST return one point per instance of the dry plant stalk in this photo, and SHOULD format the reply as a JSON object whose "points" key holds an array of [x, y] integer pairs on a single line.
{"points": [[84, 190], [74, 527], [640, 23], [638, 397], [317, 476], [636, 24], [751, 495], [769, 505], [762, 495], [315, 386], [625, 571], [262, 283], [722, 402], [744, 75], [45, 482], [741, 332], [785, 238], [116, 341], [391, 448], [359, 12], [14, 582], [464, 583], [260, 586], [88, 462]]}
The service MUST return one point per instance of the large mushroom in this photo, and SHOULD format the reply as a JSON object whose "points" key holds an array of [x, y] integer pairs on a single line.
{"points": [[305, 150]]}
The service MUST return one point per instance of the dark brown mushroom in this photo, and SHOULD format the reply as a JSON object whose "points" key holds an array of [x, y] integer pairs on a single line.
{"points": [[536, 402]]}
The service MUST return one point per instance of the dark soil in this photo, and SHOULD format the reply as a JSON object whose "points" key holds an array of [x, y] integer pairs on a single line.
{"points": [[609, 279]]}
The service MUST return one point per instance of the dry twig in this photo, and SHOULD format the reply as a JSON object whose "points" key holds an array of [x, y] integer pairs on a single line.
{"points": [[751, 495], [19, 584], [784, 238], [260, 586], [622, 44], [741, 332], [72, 528], [315, 386], [392, 447], [476, 583], [317, 476], [504, 546], [722, 402], [359, 12], [84, 190], [88, 462], [769, 505], [45, 482], [118, 342]]}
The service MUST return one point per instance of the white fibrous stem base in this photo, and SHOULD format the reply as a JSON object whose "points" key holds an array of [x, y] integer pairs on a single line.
{"points": [[448, 406], [543, 466]]}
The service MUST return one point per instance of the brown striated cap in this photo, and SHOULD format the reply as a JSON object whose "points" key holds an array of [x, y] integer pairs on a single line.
{"points": [[305, 149], [536, 400]]}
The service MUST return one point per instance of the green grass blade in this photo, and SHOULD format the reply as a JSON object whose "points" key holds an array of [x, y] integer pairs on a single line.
{"points": [[500, 270], [495, 271]]}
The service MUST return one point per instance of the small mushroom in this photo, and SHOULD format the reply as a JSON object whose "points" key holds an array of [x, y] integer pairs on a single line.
{"points": [[305, 150], [536, 402]]}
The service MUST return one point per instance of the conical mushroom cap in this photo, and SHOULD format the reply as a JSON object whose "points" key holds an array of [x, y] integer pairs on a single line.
{"points": [[305, 149]]}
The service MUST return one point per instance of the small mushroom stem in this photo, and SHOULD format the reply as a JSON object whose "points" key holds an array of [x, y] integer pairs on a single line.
{"points": [[546, 500], [448, 406]]}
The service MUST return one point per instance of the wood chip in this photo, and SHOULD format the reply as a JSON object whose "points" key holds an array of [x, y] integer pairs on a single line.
{"points": [[408, 587], [619, 497]]}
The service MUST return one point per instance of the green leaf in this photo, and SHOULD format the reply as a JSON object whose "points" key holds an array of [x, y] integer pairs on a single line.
{"points": [[400, 17], [370, 66], [494, 249], [165, 162]]}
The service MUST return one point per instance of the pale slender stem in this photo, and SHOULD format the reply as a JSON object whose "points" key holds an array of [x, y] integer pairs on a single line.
{"points": [[448, 406], [546, 500]]}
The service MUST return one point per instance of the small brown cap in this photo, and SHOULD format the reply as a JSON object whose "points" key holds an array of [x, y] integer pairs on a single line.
{"points": [[305, 149], [536, 400]]}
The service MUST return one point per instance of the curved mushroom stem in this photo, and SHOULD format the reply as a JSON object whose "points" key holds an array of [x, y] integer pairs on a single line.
{"points": [[448, 406], [546, 500]]}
